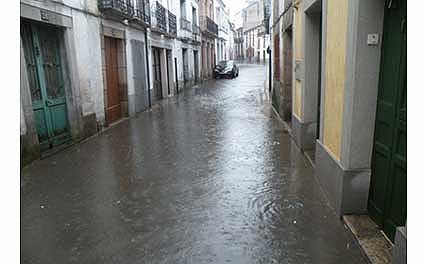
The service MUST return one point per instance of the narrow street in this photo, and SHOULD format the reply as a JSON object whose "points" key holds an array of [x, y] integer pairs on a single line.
{"points": [[208, 176]]}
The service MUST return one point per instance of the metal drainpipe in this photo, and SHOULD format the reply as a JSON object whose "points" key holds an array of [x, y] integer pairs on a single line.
{"points": [[270, 67], [147, 68]]}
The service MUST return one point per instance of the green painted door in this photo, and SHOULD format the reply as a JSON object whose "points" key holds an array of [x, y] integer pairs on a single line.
{"points": [[42, 56], [387, 197]]}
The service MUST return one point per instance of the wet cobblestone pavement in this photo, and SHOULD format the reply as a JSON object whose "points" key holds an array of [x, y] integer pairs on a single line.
{"points": [[209, 176]]}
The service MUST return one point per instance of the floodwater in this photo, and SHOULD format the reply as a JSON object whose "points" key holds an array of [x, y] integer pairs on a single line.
{"points": [[208, 176]]}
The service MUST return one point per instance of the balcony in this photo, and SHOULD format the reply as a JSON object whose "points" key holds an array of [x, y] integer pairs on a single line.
{"points": [[208, 26], [141, 14], [185, 32], [120, 9], [163, 21], [238, 39], [196, 34], [196, 29], [262, 30], [185, 24], [172, 24]]}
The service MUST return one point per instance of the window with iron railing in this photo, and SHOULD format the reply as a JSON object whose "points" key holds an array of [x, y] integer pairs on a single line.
{"points": [[172, 23], [195, 29], [185, 24], [117, 7], [159, 20], [211, 26], [142, 11]]}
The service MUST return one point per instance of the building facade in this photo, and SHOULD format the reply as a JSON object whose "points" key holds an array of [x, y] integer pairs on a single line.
{"points": [[209, 33], [348, 108], [256, 38], [282, 57], [62, 91], [189, 40], [87, 65], [239, 44], [222, 41]]}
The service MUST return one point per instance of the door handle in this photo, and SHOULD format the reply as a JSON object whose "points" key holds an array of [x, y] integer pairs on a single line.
{"points": [[49, 102]]}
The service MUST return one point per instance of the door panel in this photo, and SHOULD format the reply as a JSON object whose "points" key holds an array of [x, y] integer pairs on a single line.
{"points": [[44, 69], [55, 90], [138, 52], [387, 198], [41, 124], [29, 53], [185, 65], [157, 85], [195, 65], [113, 106], [287, 75]]}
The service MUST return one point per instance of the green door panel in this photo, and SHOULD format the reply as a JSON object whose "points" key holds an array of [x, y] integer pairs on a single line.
{"points": [[387, 197], [59, 123], [41, 126], [45, 77]]}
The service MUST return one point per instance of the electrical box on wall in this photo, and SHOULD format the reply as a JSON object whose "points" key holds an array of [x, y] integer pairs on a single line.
{"points": [[297, 70], [373, 39]]}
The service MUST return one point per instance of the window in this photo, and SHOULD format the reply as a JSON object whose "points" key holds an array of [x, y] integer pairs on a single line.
{"points": [[183, 8]]}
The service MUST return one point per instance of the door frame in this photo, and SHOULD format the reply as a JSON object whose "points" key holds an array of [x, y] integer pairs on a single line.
{"points": [[119, 35], [30, 144], [109, 89], [382, 216]]}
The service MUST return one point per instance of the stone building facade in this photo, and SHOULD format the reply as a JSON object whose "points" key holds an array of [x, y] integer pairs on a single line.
{"points": [[86, 65], [349, 102]]}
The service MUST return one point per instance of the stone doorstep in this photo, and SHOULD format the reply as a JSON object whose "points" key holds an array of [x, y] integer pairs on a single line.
{"points": [[375, 245]]}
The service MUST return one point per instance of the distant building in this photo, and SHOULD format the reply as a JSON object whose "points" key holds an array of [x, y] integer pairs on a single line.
{"points": [[239, 44], [256, 37], [222, 42]]}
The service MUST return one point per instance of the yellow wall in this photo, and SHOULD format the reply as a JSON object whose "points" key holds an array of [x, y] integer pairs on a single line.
{"points": [[298, 56], [336, 29]]}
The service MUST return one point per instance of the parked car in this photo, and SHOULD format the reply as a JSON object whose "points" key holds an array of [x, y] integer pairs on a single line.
{"points": [[227, 69]]}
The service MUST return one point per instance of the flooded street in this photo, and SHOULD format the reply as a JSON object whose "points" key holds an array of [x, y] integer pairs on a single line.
{"points": [[208, 176]]}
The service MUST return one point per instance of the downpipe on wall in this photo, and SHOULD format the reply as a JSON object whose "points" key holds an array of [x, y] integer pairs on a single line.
{"points": [[147, 68]]}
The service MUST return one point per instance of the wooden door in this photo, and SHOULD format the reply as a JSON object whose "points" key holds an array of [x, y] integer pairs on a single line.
{"points": [[185, 65], [195, 65], [276, 51], [156, 66], [287, 75], [44, 68], [113, 102], [387, 198]]}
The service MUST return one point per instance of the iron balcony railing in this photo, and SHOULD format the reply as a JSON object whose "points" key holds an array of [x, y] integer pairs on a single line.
{"points": [[238, 39], [196, 36], [195, 29], [172, 24], [163, 21], [159, 18], [119, 8], [221, 28], [209, 26], [185, 24], [262, 29], [142, 12]]}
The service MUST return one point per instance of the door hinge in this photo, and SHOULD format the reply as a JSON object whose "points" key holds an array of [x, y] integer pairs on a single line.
{"points": [[37, 51]]}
